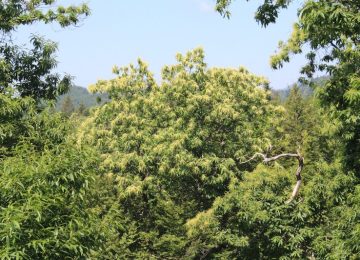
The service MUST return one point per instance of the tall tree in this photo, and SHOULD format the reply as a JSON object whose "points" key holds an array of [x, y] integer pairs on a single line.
{"points": [[46, 182], [171, 149], [67, 106], [82, 109], [301, 126]]}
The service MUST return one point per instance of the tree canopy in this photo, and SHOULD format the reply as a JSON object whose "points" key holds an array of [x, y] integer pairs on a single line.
{"points": [[173, 148]]}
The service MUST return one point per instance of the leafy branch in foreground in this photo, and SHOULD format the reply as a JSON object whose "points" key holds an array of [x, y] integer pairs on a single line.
{"points": [[29, 72], [22, 12]]}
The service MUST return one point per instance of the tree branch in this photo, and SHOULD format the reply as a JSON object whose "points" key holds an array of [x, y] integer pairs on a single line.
{"points": [[274, 158], [334, 46]]}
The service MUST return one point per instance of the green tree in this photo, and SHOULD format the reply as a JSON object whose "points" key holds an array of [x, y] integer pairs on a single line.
{"points": [[82, 110], [28, 72], [297, 114], [67, 107], [12, 120], [47, 194], [251, 221], [171, 149], [25, 75], [303, 127], [21, 12]]}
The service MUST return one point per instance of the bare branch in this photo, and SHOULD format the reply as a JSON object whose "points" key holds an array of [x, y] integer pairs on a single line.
{"points": [[334, 46], [274, 158], [252, 158]]}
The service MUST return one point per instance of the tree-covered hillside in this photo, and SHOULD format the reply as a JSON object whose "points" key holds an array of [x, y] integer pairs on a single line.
{"points": [[80, 96], [307, 88]]}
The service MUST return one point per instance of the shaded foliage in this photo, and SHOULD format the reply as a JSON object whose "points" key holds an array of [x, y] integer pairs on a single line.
{"points": [[45, 203]]}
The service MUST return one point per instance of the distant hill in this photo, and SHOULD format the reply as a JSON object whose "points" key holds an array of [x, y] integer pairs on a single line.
{"points": [[306, 90], [80, 95]]}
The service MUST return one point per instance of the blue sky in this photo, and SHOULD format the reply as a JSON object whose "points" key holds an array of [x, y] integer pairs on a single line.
{"points": [[120, 31]]}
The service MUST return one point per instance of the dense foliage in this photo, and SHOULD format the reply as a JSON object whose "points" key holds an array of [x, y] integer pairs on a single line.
{"points": [[46, 199], [171, 149], [161, 169]]}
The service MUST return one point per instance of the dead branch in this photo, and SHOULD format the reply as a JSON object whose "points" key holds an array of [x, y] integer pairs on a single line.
{"points": [[274, 158]]}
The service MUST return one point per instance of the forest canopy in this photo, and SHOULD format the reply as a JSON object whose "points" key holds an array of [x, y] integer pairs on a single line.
{"points": [[200, 164]]}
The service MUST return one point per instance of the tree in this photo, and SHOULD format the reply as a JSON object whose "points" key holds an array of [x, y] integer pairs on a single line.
{"points": [[302, 127], [26, 80], [29, 72], [21, 12], [47, 194], [332, 30], [171, 149], [12, 121], [251, 221], [67, 107], [296, 111], [82, 110]]}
